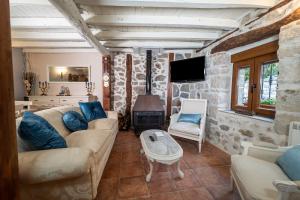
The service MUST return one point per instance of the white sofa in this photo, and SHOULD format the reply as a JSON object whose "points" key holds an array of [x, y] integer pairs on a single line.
{"points": [[68, 173], [258, 177]]}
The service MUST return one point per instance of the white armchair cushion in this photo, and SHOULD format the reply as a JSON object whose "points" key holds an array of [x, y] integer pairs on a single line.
{"points": [[255, 176], [185, 127]]}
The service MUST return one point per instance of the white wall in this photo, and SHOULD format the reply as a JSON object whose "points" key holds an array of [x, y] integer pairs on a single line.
{"points": [[18, 68], [40, 61]]}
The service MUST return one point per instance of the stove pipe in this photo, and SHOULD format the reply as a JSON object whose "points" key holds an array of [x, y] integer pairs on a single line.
{"points": [[148, 71]]}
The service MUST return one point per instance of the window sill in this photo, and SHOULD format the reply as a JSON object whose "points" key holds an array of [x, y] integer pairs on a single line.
{"points": [[255, 117]]}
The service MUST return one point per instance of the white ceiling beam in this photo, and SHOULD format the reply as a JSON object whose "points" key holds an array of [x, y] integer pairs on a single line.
{"points": [[162, 21], [43, 44], [30, 2], [69, 9], [152, 44], [22, 35], [182, 3], [63, 50], [39, 22], [175, 36]]}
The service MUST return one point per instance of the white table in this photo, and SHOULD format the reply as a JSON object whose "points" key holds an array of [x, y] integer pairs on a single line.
{"points": [[164, 150]]}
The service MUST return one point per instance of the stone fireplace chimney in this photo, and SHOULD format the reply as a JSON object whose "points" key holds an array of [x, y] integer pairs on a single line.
{"points": [[148, 111]]}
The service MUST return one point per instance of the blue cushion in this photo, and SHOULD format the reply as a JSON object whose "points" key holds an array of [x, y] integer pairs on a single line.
{"points": [[92, 110], [74, 121], [39, 134], [289, 162], [191, 118]]}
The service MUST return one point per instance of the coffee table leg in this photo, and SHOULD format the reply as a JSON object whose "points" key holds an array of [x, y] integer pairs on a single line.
{"points": [[181, 174], [148, 177]]}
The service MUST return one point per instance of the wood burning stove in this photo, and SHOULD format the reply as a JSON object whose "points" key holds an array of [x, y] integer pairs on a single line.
{"points": [[148, 111]]}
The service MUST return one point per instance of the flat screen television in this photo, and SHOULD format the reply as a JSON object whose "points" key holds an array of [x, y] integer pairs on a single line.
{"points": [[188, 70]]}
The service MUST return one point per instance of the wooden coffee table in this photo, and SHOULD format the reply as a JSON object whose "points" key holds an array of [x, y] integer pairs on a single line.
{"points": [[163, 150]]}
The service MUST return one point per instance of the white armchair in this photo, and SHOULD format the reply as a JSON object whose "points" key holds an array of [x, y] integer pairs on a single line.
{"points": [[257, 176], [189, 130]]}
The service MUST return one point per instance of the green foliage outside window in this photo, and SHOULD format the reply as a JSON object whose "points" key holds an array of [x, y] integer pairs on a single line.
{"points": [[268, 102]]}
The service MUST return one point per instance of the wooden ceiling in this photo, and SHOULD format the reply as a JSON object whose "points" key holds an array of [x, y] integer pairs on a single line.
{"points": [[109, 24]]}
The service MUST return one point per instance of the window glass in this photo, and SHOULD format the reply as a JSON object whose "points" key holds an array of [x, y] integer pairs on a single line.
{"points": [[268, 83], [243, 85]]}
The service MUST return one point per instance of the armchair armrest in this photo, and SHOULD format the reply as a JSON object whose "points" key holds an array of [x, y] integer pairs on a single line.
{"points": [[285, 188], [55, 164], [174, 118], [263, 153], [112, 114]]}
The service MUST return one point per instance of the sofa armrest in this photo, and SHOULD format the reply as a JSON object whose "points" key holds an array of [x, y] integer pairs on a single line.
{"points": [[263, 153], [112, 114], [55, 164]]}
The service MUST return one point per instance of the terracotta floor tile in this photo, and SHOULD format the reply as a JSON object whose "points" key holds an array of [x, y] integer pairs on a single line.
{"points": [[223, 192], [161, 185], [111, 170], [206, 174], [115, 157], [167, 196], [133, 187], [108, 188], [197, 193], [131, 156], [188, 181], [217, 175], [161, 175], [125, 147], [183, 165], [131, 169]]}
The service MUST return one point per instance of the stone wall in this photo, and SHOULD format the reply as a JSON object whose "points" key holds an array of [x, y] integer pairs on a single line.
{"points": [[288, 92], [227, 129], [118, 82], [160, 68]]}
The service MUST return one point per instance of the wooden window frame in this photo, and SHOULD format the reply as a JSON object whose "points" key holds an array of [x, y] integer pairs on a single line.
{"points": [[254, 58], [246, 109]]}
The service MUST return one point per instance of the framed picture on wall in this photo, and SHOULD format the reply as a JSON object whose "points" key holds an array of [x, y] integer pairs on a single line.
{"points": [[68, 74]]}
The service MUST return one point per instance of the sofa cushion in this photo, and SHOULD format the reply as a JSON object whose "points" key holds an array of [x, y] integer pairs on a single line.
{"points": [[103, 124], [39, 134], [92, 110], [54, 117], [289, 162], [255, 176], [74, 121], [190, 118], [185, 127], [93, 140]]}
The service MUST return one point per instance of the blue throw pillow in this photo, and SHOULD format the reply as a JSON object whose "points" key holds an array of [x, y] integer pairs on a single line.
{"points": [[289, 162], [191, 118], [39, 134], [92, 110], [74, 121]]}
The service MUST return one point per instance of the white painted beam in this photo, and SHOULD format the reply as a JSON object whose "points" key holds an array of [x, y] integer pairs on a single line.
{"points": [[182, 3], [63, 50], [43, 44], [162, 21], [175, 36], [22, 35], [152, 44], [29, 2], [69, 9], [39, 22]]}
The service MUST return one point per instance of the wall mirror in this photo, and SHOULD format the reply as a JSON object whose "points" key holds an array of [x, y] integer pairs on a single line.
{"points": [[68, 74]]}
